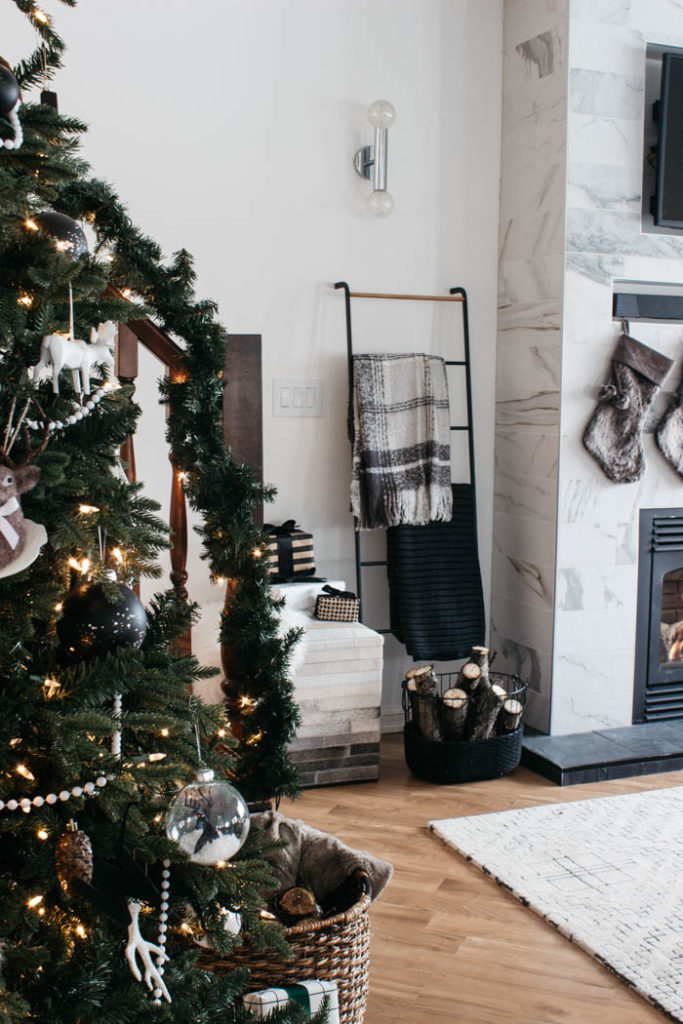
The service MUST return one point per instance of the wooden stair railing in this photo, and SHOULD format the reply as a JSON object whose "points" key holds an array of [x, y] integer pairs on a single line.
{"points": [[130, 336]]}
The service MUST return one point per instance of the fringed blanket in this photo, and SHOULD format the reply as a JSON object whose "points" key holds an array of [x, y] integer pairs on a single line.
{"points": [[401, 441]]}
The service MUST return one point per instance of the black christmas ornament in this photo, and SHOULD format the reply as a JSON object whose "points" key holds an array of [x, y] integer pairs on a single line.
{"points": [[91, 625], [67, 233], [9, 91]]}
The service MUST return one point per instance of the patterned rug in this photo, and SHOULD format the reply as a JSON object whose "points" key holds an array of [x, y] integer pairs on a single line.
{"points": [[607, 873]]}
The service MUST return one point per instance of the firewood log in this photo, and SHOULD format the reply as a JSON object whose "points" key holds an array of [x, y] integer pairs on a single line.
{"points": [[295, 904], [485, 713], [423, 677], [468, 677], [510, 715], [480, 656], [347, 893], [454, 714]]}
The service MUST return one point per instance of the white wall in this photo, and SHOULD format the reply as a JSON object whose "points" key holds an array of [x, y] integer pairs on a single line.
{"points": [[229, 127]]}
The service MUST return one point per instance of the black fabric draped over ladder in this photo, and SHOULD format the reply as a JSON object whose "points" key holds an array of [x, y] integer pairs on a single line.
{"points": [[436, 602]]}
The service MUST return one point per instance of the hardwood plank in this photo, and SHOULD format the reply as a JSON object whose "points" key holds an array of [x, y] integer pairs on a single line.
{"points": [[448, 944]]}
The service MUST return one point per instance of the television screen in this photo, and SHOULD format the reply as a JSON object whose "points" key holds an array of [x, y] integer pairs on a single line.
{"points": [[668, 211]]}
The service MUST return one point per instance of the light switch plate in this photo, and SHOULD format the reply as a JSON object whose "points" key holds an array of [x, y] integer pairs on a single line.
{"points": [[297, 396]]}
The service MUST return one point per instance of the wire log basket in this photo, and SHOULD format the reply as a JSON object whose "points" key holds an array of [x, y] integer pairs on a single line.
{"points": [[451, 761], [333, 949]]}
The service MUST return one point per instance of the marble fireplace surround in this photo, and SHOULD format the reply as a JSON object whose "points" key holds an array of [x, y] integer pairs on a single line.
{"points": [[565, 538]]}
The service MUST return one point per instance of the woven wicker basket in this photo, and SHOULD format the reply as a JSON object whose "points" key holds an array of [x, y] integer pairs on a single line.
{"points": [[336, 949]]}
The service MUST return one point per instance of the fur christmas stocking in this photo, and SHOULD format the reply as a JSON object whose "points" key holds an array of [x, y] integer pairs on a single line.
{"points": [[669, 435], [613, 436]]}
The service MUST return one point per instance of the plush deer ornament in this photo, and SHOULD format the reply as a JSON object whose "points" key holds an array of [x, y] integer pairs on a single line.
{"points": [[13, 483]]}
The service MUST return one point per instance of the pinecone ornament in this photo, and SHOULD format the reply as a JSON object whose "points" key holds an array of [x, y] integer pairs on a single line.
{"points": [[73, 858]]}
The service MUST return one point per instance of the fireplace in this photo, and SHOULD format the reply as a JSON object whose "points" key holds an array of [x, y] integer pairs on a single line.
{"points": [[658, 689]]}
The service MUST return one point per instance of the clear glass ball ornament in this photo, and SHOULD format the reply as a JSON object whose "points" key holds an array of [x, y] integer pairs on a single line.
{"points": [[209, 819]]}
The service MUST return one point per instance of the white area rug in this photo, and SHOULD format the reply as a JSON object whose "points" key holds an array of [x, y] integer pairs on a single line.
{"points": [[607, 873]]}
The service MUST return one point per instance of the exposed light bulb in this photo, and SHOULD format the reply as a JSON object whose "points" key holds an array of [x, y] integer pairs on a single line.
{"points": [[381, 113], [381, 203], [34, 901]]}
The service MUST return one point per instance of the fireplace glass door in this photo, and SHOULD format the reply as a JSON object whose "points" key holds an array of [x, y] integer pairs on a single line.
{"points": [[658, 691]]}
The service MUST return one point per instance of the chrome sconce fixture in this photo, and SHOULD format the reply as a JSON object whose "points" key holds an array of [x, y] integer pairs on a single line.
{"points": [[371, 161]]}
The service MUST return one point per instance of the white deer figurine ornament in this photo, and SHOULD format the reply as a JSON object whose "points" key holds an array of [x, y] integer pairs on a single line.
{"points": [[75, 355]]}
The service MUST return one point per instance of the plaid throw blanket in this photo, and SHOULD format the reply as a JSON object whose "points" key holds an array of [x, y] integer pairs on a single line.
{"points": [[401, 441]]}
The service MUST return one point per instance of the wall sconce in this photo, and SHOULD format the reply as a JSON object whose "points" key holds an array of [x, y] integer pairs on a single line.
{"points": [[371, 161]]}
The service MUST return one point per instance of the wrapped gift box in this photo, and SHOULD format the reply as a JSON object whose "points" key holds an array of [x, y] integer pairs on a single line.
{"points": [[290, 552], [333, 605], [309, 994]]}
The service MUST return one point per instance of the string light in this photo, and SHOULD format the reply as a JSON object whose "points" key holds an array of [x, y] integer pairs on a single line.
{"points": [[257, 553], [220, 581], [15, 742], [126, 293], [42, 833], [247, 704], [25, 772], [256, 738], [40, 16], [221, 733], [31, 225], [157, 757], [81, 566], [51, 688], [35, 901], [164, 732], [59, 606], [87, 509], [80, 931], [25, 300], [182, 475], [117, 555]]}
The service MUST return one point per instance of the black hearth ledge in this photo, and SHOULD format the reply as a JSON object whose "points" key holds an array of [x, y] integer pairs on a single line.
{"points": [[643, 749]]}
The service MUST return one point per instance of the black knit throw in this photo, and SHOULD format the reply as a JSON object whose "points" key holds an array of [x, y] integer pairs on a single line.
{"points": [[436, 602]]}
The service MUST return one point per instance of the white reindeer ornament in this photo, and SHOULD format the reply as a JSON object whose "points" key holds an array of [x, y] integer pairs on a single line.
{"points": [[75, 355]]}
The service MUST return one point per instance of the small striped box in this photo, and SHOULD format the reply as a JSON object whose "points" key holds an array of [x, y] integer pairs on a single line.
{"points": [[290, 554]]}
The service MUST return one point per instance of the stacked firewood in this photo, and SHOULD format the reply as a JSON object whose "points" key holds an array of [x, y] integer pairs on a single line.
{"points": [[476, 708]]}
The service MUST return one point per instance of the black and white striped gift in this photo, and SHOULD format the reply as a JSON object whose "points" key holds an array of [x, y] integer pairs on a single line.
{"points": [[290, 552]]}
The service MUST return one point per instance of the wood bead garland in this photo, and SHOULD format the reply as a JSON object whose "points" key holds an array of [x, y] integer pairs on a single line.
{"points": [[26, 804], [163, 924]]}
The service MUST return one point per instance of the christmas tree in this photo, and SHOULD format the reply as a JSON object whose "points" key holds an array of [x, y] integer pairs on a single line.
{"points": [[106, 836]]}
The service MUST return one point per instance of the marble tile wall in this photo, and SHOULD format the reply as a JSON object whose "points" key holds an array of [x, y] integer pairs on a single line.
{"points": [[565, 537], [595, 611], [531, 280]]}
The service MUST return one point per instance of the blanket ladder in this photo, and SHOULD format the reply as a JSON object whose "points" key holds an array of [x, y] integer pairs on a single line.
{"points": [[457, 295]]}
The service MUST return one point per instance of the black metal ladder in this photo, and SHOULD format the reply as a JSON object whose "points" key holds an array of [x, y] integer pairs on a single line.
{"points": [[458, 295]]}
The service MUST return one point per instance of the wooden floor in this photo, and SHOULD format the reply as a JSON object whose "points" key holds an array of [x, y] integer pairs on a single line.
{"points": [[448, 944]]}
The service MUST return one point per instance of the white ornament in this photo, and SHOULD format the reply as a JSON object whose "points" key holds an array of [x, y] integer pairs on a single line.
{"points": [[13, 118], [75, 355], [137, 946]]}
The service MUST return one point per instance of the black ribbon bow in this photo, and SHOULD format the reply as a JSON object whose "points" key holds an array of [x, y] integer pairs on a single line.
{"points": [[333, 592], [289, 526]]}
